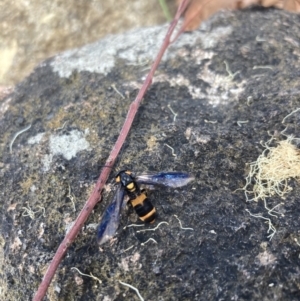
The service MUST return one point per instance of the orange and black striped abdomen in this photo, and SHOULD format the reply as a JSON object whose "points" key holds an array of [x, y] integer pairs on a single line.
{"points": [[137, 198], [144, 208]]}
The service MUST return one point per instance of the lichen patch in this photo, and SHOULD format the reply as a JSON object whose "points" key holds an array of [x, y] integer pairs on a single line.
{"points": [[68, 145], [272, 170]]}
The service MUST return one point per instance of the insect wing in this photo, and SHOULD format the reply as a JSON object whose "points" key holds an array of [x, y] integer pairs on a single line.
{"points": [[171, 179], [111, 218]]}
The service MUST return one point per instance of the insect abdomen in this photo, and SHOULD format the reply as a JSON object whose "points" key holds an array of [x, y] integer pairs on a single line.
{"points": [[144, 208]]}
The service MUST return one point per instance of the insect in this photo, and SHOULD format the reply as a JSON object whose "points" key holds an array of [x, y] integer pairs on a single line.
{"points": [[128, 184]]}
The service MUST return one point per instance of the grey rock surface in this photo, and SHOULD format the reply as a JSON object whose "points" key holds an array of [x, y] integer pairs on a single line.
{"points": [[230, 84]]}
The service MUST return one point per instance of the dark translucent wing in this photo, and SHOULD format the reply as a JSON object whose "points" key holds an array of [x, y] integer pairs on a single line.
{"points": [[111, 218], [171, 179]]}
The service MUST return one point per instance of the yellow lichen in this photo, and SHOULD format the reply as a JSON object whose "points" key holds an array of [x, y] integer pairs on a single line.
{"points": [[272, 170]]}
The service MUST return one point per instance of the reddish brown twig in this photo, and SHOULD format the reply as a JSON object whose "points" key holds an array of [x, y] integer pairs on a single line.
{"points": [[96, 194], [189, 17]]}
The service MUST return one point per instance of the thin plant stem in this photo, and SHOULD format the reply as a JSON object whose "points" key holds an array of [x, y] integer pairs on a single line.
{"points": [[165, 10], [96, 194]]}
